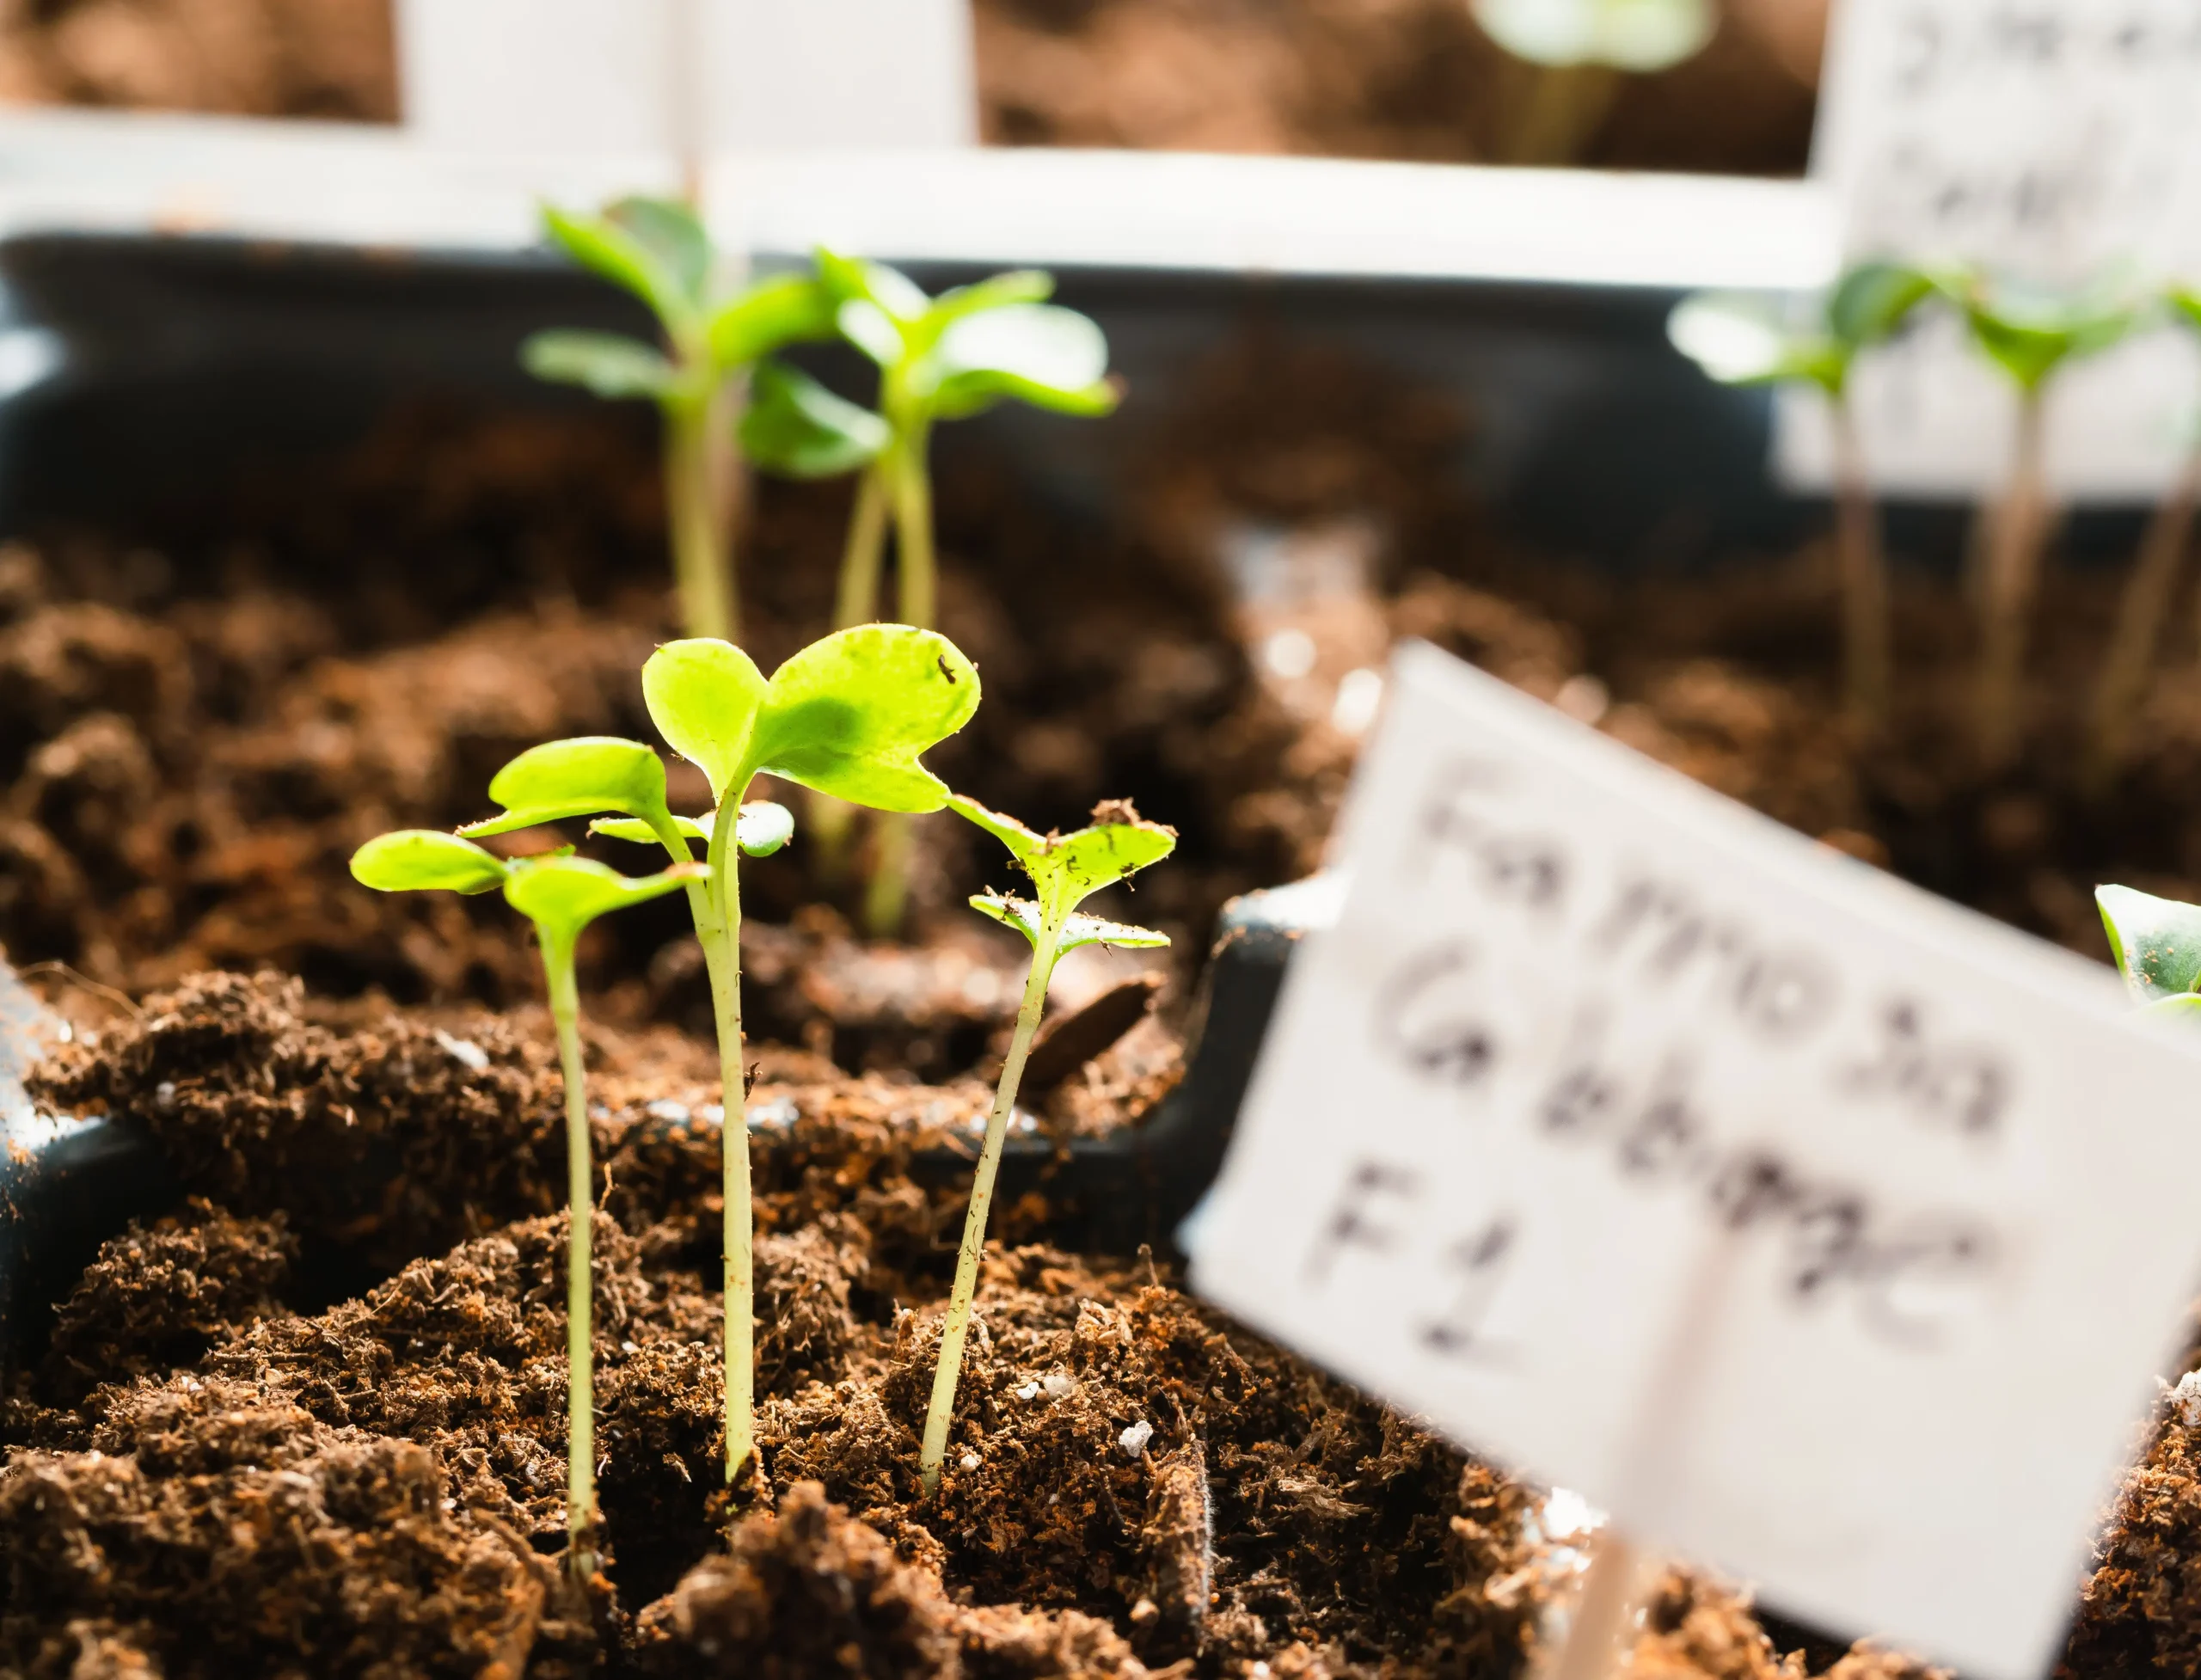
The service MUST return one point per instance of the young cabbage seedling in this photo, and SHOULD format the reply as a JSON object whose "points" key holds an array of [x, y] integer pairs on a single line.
{"points": [[1065, 869], [848, 716], [2148, 589], [939, 359], [2158, 944], [2030, 333], [657, 250], [1743, 340], [561, 894], [1579, 50]]}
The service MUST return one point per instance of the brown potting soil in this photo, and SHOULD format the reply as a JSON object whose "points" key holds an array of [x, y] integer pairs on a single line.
{"points": [[1412, 79], [313, 1421]]}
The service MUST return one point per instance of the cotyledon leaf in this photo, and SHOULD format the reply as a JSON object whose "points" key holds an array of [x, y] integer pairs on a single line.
{"points": [[418, 860], [762, 828], [578, 777], [704, 695], [849, 714], [563, 894], [1027, 918]]}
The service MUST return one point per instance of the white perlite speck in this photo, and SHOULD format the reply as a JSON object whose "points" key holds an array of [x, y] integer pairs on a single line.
{"points": [[969, 1461], [1029, 1391], [464, 1052], [2185, 1399], [1133, 1440], [1058, 1386]]}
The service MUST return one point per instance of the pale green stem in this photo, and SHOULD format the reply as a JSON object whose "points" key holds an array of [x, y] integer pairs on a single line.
{"points": [[1868, 657], [581, 1199], [739, 1281], [915, 569], [695, 513], [957, 1325], [2146, 604], [2015, 540], [857, 602]]}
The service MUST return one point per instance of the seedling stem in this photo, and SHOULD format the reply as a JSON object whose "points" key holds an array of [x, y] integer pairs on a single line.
{"points": [[1065, 869]]}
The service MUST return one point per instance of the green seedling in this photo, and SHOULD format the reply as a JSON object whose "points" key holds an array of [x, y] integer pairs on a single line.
{"points": [[561, 894], [2148, 590], [848, 716], [1744, 340], [939, 359], [657, 250], [2157, 946], [1579, 49], [1065, 869], [2030, 334]]}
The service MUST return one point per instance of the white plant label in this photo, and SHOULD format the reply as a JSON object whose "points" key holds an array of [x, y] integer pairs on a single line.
{"points": [[2052, 139], [1815, 1228]]}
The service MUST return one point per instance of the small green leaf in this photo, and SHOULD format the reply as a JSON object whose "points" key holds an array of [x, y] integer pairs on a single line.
{"points": [[1874, 299], [416, 859], [1639, 35], [606, 247], [796, 428], [2030, 331], [871, 329], [607, 364], [1021, 841], [2185, 1006], [669, 231], [848, 715], [1067, 868], [634, 829], [788, 308], [2156, 941], [762, 827], [703, 695], [2185, 304], [1040, 353], [1018, 286], [895, 293], [1740, 339], [1025, 917], [577, 778], [563, 895]]}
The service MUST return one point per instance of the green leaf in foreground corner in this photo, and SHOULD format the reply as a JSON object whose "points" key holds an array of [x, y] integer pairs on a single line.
{"points": [[849, 713], [796, 428], [606, 364], [2156, 941], [1024, 915], [417, 860], [563, 895], [576, 778]]}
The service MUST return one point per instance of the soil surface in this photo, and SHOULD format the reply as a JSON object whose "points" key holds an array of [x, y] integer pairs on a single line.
{"points": [[311, 1420], [1412, 79]]}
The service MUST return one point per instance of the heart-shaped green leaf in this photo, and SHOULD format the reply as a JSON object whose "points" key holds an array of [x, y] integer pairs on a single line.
{"points": [[614, 251], [678, 246], [1040, 353], [417, 860], [577, 778], [796, 428], [1027, 919], [606, 364], [1639, 35], [1740, 339], [848, 715], [1067, 868], [1874, 299], [2030, 331], [2156, 941], [563, 895], [704, 696], [786, 309]]}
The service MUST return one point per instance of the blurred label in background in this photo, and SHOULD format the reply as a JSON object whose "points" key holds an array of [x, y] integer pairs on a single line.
{"points": [[687, 77], [2053, 139]]}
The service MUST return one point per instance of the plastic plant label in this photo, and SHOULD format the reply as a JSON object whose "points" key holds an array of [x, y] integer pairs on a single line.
{"points": [[1815, 1228], [2056, 140]]}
